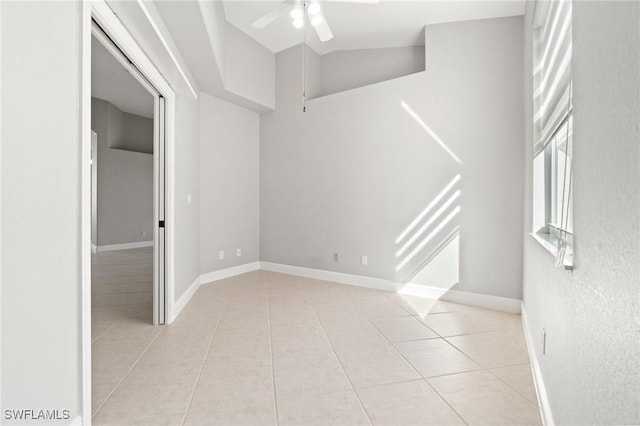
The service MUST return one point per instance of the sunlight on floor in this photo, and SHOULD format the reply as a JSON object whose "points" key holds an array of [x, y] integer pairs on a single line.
{"points": [[268, 348]]}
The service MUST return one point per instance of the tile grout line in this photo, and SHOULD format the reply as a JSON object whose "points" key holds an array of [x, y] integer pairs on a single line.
{"points": [[273, 370], [111, 266], [512, 387], [115, 388], [113, 324], [206, 355], [415, 370], [353, 388], [445, 339]]}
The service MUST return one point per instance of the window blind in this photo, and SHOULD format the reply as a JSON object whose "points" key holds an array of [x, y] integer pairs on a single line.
{"points": [[552, 72]]}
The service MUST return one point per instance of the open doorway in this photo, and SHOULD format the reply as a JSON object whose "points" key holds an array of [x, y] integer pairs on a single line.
{"points": [[128, 289]]}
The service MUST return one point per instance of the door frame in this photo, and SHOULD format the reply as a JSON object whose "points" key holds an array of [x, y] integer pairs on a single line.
{"points": [[125, 43]]}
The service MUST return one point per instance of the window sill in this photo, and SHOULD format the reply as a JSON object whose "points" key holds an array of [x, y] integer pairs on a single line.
{"points": [[549, 242]]}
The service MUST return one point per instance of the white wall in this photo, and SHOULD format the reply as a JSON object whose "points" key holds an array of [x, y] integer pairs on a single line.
{"points": [[348, 69], [229, 177], [40, 206], [351, 173], [125, 184], [187, 175], [215, 23], [249, 68], [592, 316]]}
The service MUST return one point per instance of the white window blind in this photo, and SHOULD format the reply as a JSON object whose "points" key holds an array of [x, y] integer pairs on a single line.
{"points": [[552, 72]]}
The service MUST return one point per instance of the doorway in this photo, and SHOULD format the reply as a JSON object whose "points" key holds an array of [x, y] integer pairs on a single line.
{"points": [[126, 216], [100, 22], [127, 176]]}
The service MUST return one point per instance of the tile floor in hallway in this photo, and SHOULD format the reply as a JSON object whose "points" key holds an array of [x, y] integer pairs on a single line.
{"points": [[265, 348]]}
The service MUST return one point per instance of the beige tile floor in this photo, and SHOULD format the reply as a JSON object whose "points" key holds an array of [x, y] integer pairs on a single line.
{"points": [[266, 348]]}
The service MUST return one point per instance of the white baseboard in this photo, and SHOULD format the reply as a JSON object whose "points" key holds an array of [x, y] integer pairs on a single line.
{"points": [[206, 278], [228, 272], [94, 248], [486, 301], [474, 299], [124, 246], [179, 304], [338, 277], [541, 390]]}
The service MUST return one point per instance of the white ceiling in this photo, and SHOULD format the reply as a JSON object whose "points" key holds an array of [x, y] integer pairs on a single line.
{"points": [[390, 23], [112, 82]]}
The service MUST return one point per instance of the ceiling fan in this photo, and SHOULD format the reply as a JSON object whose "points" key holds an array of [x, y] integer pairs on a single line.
{"points": [[297, 10]]}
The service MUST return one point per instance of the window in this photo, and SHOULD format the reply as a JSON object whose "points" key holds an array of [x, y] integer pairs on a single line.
{"points": [[553, 129]]}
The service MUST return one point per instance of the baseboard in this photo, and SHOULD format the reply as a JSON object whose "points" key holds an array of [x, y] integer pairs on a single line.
{"points": [[474, 299], [94, 248], [206, 278], [124, 246], [338, 277], [541, 390], [486, 301], [179, 304], [229, 272]]}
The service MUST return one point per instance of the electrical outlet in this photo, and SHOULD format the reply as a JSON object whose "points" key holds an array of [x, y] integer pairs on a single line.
{"points": [[143, 233], [221, 255], [239, 252], [365, 261], [335, 257], [544, 341]]}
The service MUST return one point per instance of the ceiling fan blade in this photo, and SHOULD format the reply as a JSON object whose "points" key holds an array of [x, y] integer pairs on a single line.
{"points": [[323, 30], [271, 16], [354, 1]]}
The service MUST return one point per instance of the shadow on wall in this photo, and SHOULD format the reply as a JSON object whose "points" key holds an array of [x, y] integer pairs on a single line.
{"points": [[428, 248]]}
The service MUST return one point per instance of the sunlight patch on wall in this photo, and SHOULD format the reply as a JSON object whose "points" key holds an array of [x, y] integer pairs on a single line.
{"points": [[431, 133]]}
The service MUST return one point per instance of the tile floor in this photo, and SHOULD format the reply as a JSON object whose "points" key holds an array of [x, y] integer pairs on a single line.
{"points": [[266, 348]]}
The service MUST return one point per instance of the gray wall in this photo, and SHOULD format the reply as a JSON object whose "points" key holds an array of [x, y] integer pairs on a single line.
{"points": [[187, 181], [40, 310], [125, 179], [127, 131], [138, 133], [229, 176], [348, 69], [249, 74], [352, 172], [591, 369]]}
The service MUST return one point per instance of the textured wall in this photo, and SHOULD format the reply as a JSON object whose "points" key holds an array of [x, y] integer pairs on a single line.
{"points": [[591, 368]]}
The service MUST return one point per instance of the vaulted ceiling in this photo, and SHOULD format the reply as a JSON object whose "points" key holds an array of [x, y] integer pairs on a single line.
{"points": [[206, 43], [362, 25]]}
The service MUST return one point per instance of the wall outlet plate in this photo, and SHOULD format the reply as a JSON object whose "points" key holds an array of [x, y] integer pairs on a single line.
{"points": [[365, 260], [221, 255], [239, 252], [336, 258]]}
